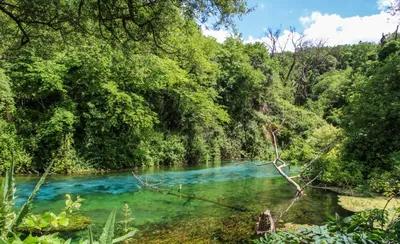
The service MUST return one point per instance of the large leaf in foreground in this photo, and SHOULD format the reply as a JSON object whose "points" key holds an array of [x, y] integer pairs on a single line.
{"points": [[26, 207]]}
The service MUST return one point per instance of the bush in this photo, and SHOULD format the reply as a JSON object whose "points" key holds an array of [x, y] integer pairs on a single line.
{"points": [[363, 227]]}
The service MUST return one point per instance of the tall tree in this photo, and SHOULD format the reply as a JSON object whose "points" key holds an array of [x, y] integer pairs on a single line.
{"points": [[114, 19]]}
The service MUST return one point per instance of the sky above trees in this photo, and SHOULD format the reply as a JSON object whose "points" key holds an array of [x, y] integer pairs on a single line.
{"points": [[338, 22]]}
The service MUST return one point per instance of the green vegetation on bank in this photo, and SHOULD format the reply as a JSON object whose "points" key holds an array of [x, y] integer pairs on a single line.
{"points": [[89, 103]]}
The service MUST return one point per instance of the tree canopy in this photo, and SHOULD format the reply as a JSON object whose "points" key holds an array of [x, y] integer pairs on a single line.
{"points": [[119, 20]]}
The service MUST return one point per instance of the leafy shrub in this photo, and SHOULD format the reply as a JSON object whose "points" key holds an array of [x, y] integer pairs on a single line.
{"points": [[11, 149], [387, 182], [387, 49], [315, 234], [363, 227]]}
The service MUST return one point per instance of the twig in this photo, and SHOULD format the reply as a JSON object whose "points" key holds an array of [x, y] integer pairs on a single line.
{"points": [[290, 206], [311, 181], [278, 128], [348, 185], [297, 196], [320, 153], [387, 203], [263, 164], [190, 197]]}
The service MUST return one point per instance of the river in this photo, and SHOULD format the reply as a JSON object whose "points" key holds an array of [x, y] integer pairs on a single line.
{"points": [[243, 184]]}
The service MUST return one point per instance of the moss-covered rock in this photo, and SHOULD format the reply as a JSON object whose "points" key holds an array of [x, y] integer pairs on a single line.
{"points": [[76, 223]]}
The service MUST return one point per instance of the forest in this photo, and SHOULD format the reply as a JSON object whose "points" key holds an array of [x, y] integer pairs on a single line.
{"points": [[94, 86]]}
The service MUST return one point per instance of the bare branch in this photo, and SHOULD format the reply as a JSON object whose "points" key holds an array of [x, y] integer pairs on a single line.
{"points": [[263, 164], [273, 36], [282, 166], [299, 191], [320, 153], [311, 181], [25, 37], [277, 129], [289, 207], [181, 195]]}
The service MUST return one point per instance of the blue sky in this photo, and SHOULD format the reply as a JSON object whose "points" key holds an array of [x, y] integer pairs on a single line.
{"points": [[335, 21], [274, 13]]}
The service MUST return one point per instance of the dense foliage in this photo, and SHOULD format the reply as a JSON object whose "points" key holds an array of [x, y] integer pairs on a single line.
{"points": [[84, 84]]}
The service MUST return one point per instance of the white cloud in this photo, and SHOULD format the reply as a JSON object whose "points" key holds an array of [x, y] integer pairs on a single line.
{"points": [[305, 20], [383, 4], [262, 6], [220, 35], [337, 30]]}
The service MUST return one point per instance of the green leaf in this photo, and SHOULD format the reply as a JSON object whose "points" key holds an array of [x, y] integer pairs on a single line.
{"points": [[62, 214], [352, 228], [26, 207], [331, 218], [91, 241], [31, 239], [63, 221], [9, 187], [125, 237], [108, 230]]}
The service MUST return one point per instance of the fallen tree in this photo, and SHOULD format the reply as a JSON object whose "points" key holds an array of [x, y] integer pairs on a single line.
{"points": [[182, 195], [279, 164]]}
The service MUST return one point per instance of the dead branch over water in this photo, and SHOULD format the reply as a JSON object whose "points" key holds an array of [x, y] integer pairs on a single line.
{"points": [[283, 164], [182, 195]]}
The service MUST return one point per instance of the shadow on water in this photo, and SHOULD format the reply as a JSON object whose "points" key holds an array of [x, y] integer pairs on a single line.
{"points": [[241, 184]]}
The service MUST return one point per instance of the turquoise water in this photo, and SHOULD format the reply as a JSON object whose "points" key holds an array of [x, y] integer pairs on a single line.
{"points": [[242, 184]]}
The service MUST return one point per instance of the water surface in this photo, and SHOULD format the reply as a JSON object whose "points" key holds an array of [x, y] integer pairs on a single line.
{"points": [[243, 184]]}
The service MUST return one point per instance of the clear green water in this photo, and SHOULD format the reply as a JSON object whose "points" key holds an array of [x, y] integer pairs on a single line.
{"points": [[242, 184]]}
